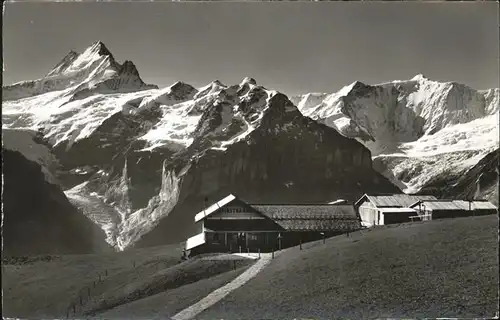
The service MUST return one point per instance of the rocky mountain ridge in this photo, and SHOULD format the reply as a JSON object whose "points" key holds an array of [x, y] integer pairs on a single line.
{"points": [[141, 163], [416, 123]]}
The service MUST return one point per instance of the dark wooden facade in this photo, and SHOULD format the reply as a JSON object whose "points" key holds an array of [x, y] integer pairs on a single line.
{"points": [[239, 227]]}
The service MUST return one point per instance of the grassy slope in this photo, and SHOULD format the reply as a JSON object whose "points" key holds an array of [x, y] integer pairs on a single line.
{"points": [[438, 268], [158, 284], [166, 304], [124, 288], [46, 288]]}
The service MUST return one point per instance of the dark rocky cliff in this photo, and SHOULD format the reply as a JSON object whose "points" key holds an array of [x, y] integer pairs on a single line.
{"points": [[38, 218]]}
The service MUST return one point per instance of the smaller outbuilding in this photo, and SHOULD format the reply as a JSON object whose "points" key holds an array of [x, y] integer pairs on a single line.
{"points": [[442, 209], [381, 209]]}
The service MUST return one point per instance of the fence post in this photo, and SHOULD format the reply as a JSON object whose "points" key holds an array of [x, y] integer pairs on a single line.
{"points": [[248, 250], [240, 249], [259, 253], [106, 272]]}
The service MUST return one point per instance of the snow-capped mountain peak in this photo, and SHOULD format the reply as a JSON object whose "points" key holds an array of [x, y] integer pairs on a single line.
{"points": [[100, 48], [248, 80], [210, 88], [64, 64], [406, 117], [91, 57], [419, 77], [79, 75]]}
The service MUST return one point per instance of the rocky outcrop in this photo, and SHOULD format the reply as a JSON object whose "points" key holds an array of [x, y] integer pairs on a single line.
{"points": [[37, 216]]}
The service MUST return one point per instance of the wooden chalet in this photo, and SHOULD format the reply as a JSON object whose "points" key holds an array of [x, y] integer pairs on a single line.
{"points": [[385, 209], [232, 225]]}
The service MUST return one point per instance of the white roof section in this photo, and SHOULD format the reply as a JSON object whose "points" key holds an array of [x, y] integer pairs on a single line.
{"points": [[456, 205], [208, 211], [397, 210], [195, 241], [394, 200], [475, 205], [337, 201], [484, 205]]}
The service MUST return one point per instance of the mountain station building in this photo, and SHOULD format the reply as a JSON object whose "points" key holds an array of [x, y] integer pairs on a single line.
{"points": [[232, 225]]}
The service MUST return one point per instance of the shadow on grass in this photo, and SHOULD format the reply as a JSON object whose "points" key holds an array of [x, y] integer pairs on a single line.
{"points": [[125, 288]]}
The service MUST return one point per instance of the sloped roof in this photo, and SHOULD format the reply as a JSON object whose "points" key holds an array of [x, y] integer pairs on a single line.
{"points": [[208, 211], [320, 217], [300, 217], [442, 205], [481, 205], [195, 241], [309, 211], [394, 200], [455, 205]]}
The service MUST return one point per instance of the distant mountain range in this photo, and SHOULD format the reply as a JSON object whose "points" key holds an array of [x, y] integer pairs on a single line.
{"points": [[416, 130], [141, 161]]}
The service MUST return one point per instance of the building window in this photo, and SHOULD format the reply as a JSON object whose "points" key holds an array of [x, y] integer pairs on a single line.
{"points": [[216, 237]]}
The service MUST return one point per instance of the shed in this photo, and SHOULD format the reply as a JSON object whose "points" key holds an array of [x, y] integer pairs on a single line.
{"points": [[369, 205], [445, 208]]}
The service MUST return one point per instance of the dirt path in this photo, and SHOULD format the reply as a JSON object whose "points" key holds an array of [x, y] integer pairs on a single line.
{"points": [[219, 294]]}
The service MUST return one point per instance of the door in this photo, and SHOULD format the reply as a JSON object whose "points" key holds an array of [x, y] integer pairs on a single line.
{"points": [[242, 241]]}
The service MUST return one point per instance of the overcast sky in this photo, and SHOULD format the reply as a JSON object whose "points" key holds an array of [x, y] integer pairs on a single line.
{"points": [[294, 47]]}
